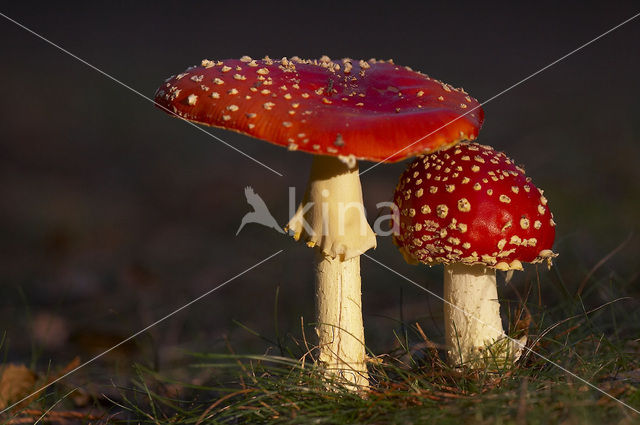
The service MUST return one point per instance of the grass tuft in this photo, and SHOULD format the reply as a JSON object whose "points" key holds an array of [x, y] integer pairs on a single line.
{"points": [[410, 385]]}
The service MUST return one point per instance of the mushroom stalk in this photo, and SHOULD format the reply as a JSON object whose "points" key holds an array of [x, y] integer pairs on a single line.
{"points": [[473, 328], [339, 314], [331, 218]]}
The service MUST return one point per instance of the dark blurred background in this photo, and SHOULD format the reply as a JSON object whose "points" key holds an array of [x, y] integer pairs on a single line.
{"points": [[112, 214]]}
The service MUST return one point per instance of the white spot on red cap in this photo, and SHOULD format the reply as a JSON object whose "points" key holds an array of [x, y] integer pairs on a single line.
{"points": [[464, 205], [442, 210]]}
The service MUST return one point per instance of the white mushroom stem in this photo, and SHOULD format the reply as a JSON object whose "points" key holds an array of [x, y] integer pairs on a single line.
{"points": [[339, 314], [331, 217], [473, 328]]}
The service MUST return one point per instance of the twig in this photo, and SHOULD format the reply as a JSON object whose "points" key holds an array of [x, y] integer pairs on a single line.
{"points": [[306, 344], [51, 416]]}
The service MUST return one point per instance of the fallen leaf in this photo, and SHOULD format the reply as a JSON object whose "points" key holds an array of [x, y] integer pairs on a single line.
{"points": [[16, 382]]}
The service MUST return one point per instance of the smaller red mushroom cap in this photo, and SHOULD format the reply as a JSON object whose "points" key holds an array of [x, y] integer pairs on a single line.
{"points": [[473, 205], [371, 110]]}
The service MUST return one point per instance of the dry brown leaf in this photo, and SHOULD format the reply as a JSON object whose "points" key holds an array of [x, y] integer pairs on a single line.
{"points": [[16, 382]]}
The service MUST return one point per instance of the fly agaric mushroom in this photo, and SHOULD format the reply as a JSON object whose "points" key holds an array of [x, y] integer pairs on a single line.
{"points": [[472, 209], [340, 112]]}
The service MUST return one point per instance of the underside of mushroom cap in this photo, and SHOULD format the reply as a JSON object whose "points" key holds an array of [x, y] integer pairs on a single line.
{"points": [[369, 110]]}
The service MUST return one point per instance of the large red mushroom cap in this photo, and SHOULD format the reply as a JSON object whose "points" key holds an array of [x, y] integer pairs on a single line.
{"points": [[370, 110], [473, 205]]}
